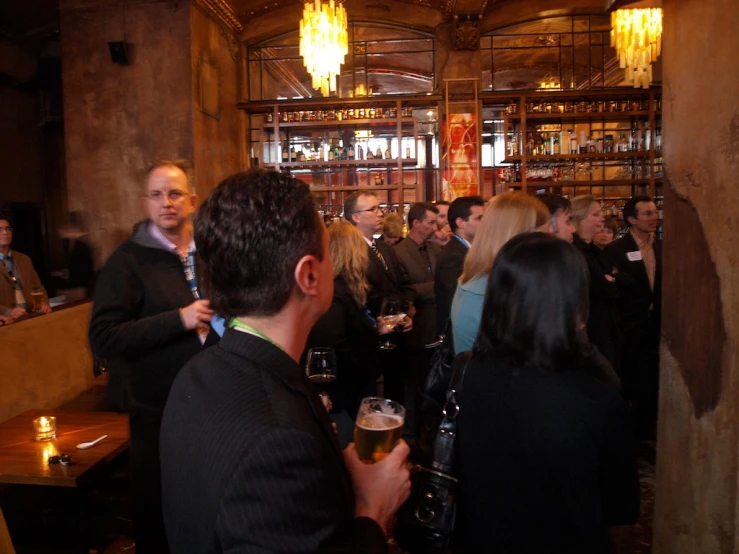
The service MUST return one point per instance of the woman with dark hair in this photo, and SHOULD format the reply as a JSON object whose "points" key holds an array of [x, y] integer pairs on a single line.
{"points": [[545, 460]]}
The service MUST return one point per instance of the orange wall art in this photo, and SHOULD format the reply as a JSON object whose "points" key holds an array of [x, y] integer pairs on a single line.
{"points": [[462, 165]]}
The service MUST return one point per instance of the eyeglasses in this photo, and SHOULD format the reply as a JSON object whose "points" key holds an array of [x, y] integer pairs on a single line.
{"points": [[376, 209], [174, 196], [8, 229]]}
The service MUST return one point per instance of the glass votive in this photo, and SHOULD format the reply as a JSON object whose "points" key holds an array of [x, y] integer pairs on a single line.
{"points": [[45, 428]]}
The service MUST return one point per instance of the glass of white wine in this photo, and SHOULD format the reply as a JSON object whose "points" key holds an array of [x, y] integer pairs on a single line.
{"points": [[391, 312], [320, 365]]}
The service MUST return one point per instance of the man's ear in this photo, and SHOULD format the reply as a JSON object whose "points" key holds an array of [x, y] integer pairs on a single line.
{"points": [[307, 275], [460, 222]]}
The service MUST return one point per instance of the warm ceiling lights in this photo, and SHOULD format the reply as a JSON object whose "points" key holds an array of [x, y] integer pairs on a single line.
{"points": [[637, 36], [323, 42]]}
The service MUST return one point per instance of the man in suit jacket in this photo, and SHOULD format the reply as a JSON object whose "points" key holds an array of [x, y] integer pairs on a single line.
{"points": [[638, 258], [465, 216], [148, 317], [20, 287], [386, 277], [250, 462]]}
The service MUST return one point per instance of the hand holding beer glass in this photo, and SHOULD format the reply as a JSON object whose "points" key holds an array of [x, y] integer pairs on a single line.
{"points": [[378, 428]]}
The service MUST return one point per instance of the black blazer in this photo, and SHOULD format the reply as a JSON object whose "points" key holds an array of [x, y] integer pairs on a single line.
{"points": [[348, 329], [603, 324], [635, 296], [449, 267], [421, 276], [546, 461], [392, 281], [250, 462]]}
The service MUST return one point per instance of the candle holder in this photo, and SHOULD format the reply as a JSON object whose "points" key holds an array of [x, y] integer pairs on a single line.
{"points": [[45, 428]]}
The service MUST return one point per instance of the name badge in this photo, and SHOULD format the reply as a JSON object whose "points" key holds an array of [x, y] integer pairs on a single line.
{"points": [[634, 256]]}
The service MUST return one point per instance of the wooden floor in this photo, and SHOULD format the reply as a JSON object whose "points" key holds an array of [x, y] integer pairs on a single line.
{"points": [[98, 521]]}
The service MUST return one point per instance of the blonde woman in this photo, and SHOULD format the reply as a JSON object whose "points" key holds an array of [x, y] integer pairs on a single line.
{"points": [[392, 228], [348, 327], [603, 322], [511, 214]]}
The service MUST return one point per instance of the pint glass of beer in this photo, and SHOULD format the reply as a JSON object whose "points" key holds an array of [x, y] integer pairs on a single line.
{"points": [[378, 428]]}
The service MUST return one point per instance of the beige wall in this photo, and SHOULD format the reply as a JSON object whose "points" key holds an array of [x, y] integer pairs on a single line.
{"points": [[118, 119], [696, 505]]}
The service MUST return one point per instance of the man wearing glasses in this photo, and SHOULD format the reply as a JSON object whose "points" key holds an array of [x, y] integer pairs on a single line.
{"points": [[21, 290], [638, 258], [149, 315]]}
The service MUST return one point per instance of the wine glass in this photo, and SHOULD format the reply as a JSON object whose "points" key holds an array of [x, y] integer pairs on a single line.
{"points": [[320, 365], [391, 314]]}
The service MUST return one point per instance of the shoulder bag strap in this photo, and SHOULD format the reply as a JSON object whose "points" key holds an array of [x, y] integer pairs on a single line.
{"points": [[443, 453]]}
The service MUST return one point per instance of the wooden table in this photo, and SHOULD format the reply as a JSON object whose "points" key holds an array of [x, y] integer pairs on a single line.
{"points": [[24, 460]]}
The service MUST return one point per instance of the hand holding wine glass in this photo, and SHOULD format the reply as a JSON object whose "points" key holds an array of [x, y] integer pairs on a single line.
{"points": [[390, 316]]}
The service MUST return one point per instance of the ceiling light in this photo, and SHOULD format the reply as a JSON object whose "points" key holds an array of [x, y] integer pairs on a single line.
{"points": [[637, 36], [324, 42]]}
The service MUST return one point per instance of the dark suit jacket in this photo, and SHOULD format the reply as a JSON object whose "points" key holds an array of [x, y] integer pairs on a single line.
{"points": [[448, 269], [348, 329], [392, 281], [635, 296], [29, 278], [250, 462], [421, 278], [603, 325]]}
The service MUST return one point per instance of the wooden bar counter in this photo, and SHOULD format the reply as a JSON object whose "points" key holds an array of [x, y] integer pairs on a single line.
{"points": [[46, 360]]}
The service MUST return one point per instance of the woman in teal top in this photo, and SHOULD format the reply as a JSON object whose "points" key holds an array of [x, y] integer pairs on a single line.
{"points": [[510, 214]]}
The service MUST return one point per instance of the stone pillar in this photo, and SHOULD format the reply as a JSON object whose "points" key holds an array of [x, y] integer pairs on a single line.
{"points": [[120, 118], [696, 504]]}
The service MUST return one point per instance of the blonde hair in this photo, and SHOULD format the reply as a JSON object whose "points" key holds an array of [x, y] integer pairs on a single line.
{"points": [[511, 214], [350, 258], [392, 226], [580, 208]]}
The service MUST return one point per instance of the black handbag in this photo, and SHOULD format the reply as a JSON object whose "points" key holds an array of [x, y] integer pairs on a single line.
{"points": [[434, 387], [426, 520]]}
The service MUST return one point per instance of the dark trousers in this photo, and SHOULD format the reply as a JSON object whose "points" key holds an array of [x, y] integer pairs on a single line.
{"points": [[640, 377], [146, 482]]}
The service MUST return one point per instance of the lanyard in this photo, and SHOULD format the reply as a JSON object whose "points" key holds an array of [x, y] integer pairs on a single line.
{"points": [[246, 328]]}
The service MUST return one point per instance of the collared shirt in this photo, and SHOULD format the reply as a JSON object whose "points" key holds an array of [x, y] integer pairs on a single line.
{"points": [[463, 241], [188, 266], [648, 257], [20, 299]]}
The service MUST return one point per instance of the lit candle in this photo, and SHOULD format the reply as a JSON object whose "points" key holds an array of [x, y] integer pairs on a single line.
{"points": [[45, 428]]}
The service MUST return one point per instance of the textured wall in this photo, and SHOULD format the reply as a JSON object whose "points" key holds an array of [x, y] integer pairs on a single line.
{"points": [[217, 140], [120, 118], [696, 505]]}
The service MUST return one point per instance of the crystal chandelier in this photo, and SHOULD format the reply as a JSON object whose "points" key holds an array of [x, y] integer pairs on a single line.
{"points": [[637, 36], [323, 42]]}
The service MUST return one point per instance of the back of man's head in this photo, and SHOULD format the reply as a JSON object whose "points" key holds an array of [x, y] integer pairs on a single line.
{"points": [[462, 207], [555, 203], [251, 233]]}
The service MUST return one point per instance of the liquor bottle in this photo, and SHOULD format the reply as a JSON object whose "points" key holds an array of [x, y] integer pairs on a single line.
{"points": [[331, 154], [360, 152], [370, 155], [388, 153], [573, 142], [555, 146], [378, 153], [407, 152], [285, 154], [350, 151]]}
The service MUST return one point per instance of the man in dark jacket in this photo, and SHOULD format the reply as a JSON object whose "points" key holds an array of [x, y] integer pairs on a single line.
{"points": [[148, 316], [465, 216], [638, 257], [250, 462]]}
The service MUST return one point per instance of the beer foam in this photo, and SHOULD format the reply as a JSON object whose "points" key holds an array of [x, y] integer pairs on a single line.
{"points": [[380, 421]]}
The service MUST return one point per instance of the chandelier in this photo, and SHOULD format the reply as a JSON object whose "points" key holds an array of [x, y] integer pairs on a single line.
{"points": [[637, 36], [323, 42]]}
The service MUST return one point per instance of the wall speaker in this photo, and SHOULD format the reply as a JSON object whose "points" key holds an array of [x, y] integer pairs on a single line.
{"points": [[119, 52]]}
